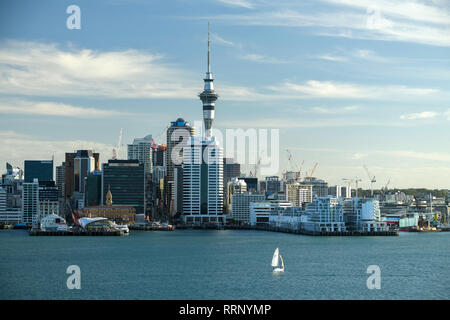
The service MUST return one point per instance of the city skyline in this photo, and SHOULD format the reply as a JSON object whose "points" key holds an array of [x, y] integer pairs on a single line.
{"points": [[61, 92]]}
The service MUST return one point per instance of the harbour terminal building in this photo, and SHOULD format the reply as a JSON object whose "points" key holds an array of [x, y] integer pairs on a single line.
{"points": [[323, 214]]}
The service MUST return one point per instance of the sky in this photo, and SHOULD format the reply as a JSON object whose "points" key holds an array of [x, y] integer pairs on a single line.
{"points": [[347, 83]]}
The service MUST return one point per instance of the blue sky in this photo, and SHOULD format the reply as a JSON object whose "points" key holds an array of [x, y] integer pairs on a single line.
{"points": [[347, 83]]}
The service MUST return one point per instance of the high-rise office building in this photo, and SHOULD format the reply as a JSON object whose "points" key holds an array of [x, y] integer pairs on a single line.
{"points": [[141, 150], [203, 178], [93, 195], [234, 186], [158, 155], [126, 181], [69, 173], [251, 182], [48, 199], [83, 165], [272, 184], [38, 169], [231, 170], [241, 205], [60, 179]]}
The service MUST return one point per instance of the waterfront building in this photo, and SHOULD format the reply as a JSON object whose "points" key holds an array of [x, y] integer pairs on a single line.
{"points": [[2, 204], [362, 215], [121, 214], [324, 214], [38, 169], [126, 180], [287, 217], [48, 199], [260, 211], [141, 150], [203, 181], [53, 222], [241, 205], [30, 202]]}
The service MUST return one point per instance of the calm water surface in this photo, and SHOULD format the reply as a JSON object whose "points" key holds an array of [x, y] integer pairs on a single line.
{"points": [[226, 264]]}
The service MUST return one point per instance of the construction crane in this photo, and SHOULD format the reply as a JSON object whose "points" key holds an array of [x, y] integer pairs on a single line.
{"points": [[387, 184], [356, 180], [300, 171], [117, 148], [372, 180], [309, 177]]}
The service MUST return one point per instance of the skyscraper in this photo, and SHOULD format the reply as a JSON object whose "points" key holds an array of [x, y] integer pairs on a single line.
{"points": [[60, 179], [178, 135], [30, 202], [69, 184], [141, 150], [126, 181], [38, 169]]}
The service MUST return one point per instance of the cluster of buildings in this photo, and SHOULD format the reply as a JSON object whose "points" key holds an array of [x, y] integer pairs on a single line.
{"points": [[187, 180]]}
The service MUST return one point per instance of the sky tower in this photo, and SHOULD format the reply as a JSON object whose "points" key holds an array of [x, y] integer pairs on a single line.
{"points": [[208, 96]]}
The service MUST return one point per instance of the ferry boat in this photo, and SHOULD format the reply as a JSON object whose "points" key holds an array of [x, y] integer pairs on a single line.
{"points": [[122, 227]]}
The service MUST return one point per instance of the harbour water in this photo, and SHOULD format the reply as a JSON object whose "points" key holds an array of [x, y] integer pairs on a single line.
{"points": [[224, 264]]}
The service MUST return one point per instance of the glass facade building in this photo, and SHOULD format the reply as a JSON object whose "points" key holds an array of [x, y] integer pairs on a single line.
{"points": [[38, 169], [126, 180]]}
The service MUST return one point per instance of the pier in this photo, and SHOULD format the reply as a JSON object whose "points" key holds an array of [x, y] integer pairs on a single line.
{"points": [[295, 231], [148, 227], [55, 233]]}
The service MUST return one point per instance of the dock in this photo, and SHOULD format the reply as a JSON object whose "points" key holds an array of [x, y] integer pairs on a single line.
{"points": [[55, 233], [296, 231], [148, 227]]}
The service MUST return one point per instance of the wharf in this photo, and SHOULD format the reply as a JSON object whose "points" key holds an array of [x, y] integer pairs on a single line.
{"points": [[148, 227], [35, 232], [297, 231]]}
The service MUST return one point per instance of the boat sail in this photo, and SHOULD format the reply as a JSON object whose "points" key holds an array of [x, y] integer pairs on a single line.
{"points": [[277, 258]]}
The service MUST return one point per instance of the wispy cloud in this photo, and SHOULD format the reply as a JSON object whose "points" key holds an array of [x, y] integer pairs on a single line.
{"points": [[332, 58], [261, 58], [406, 21], [329, 89], [33, 68], [221, 41], [49, 108], [238, 3], [419, 115]]}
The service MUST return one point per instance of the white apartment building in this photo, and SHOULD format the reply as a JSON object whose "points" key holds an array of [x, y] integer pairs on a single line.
{"points": [[30, 202], [324, 214]]}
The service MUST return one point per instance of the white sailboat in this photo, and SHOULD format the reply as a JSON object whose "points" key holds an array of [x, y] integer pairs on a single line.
{"points": [[276, 260]]}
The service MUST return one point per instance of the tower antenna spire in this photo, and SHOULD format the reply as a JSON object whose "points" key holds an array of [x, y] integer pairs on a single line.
{"points": [[209, 51]]}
